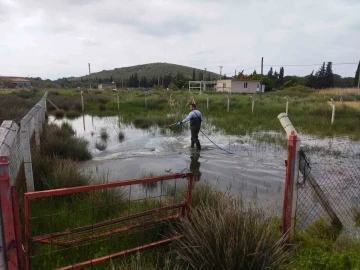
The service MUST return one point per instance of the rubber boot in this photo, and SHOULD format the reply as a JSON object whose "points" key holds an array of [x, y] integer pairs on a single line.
{"points": [[192, 143], [198, 146]]}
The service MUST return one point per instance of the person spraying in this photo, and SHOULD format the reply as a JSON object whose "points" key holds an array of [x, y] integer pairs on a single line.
{"points": [[195, 119]]}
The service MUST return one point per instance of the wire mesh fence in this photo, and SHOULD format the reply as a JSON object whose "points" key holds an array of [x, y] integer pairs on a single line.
{"points": [[86, 226], [333, 166]]}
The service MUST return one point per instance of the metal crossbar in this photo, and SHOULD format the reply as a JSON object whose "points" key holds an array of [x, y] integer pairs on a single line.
{"points": [[145, 209]]}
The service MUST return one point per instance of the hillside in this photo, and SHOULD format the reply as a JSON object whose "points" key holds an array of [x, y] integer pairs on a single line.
{"points": [[149, 71]]}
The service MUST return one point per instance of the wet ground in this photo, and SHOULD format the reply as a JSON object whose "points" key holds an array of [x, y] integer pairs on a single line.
{"points": [[255, 168]]}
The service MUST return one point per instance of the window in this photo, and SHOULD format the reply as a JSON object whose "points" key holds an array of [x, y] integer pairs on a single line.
{"points": [[224, 85], [245, 84]]}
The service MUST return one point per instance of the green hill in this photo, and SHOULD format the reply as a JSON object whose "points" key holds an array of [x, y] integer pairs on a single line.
{"points": [[149, 71]]}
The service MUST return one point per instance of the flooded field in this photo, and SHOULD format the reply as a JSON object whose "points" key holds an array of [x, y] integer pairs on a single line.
{"points": [[256, 167]]}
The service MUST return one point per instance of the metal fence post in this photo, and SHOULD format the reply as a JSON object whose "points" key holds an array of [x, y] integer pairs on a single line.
{"points": [[7, 214], [292, 175]]}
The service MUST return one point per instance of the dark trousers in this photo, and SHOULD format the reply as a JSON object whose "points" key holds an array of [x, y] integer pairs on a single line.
{"points": [[195, 139]]}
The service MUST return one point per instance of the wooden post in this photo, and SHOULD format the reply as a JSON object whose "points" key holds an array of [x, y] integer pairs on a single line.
{"points": [[228, 103], [82, 101], [252, 104], [117, 95]]}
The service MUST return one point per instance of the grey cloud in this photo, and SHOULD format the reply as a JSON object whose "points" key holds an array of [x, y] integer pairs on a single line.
{"points": [[90, 43], [170, 27]]}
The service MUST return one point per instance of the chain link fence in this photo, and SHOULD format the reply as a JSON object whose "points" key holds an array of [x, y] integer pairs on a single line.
{"points": [[16, 140], [329, 184]]}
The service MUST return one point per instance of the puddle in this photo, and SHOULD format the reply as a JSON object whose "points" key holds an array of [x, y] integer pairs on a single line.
{"points": [[256, 168]]}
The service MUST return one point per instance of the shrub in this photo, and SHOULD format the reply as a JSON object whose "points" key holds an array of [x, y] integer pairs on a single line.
{"points": [[58, 142], [143, 123], [66, 127], [121, 136], [102, 107], [233, 234], [101, 146], [78, 107], [59, 114], [103, 134], [64, 174], [73, 114]]}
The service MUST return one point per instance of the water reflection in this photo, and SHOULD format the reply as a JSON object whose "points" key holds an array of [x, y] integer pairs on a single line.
{"points": [[195, 165]]}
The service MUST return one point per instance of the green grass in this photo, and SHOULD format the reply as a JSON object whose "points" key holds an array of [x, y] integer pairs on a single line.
{"points": [[320, 247]]}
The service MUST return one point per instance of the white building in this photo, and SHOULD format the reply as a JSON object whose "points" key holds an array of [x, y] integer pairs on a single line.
{"points": [[238, 86]]}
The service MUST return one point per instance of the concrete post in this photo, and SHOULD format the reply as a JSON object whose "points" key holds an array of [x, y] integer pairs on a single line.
{"points": [[228, 103]]}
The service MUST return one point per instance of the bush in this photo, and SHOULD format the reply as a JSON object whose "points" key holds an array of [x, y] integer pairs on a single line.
{"points": [[66, 127], [121, 136], [73, 114], [102, 107], [58, 142], [101, 146], [103, 134], [59, 114], [230, 234]]}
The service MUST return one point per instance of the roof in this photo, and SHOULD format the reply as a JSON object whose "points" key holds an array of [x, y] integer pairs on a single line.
{"points": [[238, 80], [17, 80]]}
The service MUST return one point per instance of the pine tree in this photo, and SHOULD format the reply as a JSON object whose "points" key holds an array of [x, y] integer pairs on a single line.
{"points": [[200, 76], [320, 77], [311, 80], [357, 74], [193, 75], [329, 76], [281, 77], [271, 73]]}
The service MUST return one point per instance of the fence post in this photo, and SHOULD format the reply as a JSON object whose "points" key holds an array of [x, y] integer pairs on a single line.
{"points": [[333, 112], [37, 130], [292, 175], [252, 104], [7, 215], [228, 103]]}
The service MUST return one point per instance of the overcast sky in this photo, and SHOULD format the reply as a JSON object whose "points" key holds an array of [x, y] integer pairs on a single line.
{"points": [[58, 38]]}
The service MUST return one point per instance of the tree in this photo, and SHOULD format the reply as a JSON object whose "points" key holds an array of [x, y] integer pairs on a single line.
{"points": [[329, 76], [193, 75], [143, 82], [269, 83], [271, 73], [200, 76], [320, 77], [311, 80], [357, 74], [281, 77]]}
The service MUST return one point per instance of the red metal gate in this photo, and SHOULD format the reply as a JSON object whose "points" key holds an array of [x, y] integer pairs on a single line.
{"points": [[80, 227]]}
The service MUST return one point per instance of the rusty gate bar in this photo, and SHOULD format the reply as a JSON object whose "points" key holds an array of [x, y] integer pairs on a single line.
{"points": [[119, 254], [49, 238]]}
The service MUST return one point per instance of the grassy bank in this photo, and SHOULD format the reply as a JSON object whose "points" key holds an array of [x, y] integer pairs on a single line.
{"points": [[309, 109]]}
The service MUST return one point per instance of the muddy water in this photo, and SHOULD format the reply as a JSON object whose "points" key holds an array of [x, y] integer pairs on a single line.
{"points": [[254, 168]]}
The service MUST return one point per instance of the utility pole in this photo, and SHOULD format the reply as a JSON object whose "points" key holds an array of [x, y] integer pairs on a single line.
{"points": [[89, 76], [262, 69], [235, 73], [220, 70]]}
